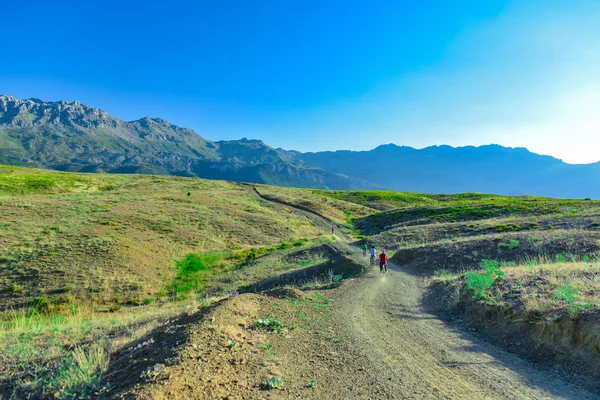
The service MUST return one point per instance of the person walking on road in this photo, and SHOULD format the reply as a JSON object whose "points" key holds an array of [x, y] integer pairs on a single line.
{"points": [[332, 229], [383, 260], [365, 248]]}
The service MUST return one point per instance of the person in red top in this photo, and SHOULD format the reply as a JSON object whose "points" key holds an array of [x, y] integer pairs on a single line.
{"points": [[383, 259]]}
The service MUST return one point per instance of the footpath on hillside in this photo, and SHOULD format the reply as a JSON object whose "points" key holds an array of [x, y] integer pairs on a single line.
{"points": [[369, 338]]}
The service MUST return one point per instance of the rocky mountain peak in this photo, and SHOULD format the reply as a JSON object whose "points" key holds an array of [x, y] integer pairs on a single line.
{"points": [[35, 112]]}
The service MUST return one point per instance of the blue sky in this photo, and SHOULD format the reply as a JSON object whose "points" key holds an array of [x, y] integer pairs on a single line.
{"points": [[323, 75]]}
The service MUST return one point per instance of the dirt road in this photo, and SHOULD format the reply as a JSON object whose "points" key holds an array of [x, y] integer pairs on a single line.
{"points": [[416, 355], [376, 341]]}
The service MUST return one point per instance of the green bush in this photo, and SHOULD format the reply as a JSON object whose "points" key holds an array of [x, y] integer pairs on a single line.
{"points": [[271, 325], [273, 382], [479, 283], [566, 294], [300, 242]]}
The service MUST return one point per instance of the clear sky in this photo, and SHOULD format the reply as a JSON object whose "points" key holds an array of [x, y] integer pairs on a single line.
{"points": [[323, 75]]}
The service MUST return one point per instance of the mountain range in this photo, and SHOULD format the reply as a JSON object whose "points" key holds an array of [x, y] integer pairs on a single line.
{"points": [[76, 137]]}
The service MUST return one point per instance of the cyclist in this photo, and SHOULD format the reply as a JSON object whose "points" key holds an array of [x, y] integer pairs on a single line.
{"points": [[383, 260], [373, 255], [365, 248]]}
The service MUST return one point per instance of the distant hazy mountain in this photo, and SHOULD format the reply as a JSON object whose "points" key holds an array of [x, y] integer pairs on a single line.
{"points": [[75, 137], [445, 169]]}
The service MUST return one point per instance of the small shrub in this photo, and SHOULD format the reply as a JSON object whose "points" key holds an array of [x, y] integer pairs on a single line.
{"points": [[271, 325], [566, 294], [80, 373], [147, 300], [41, 305], [300, 242], [16, 288], [133, 301], [263, 346], [67, 288], [580, 308], [513, 244], [273, 382], [312, 383], [531, 225], [485, 263], [479, 282]]}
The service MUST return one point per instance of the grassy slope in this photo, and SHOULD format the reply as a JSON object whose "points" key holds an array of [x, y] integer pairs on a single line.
{"points": [[75, 245], [113, 237], [118, 239]]}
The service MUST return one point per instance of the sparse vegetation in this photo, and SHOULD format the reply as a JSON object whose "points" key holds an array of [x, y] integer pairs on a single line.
{"points": [[273, 382], [542, 285], [271, 325]]}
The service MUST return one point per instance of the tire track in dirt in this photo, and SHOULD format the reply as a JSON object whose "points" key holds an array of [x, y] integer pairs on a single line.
{"points": [[416, 355]]}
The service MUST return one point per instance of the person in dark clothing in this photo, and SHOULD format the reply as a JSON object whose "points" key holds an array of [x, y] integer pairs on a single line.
{"points": [[383, 260]]}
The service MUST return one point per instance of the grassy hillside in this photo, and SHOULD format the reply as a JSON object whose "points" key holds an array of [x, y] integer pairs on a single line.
{"points": [[117, 238], [92, 262]]}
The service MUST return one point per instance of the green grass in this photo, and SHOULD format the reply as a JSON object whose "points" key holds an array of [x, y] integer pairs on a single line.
{"points": [[193, 270], [65, 356], [97, 233], [566, 294], [18, 181], [382, 198], [543, 285], [80, 374], [470, 207]]}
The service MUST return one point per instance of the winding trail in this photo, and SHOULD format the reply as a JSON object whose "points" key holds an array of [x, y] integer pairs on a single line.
{"points": [[415, 355]]}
